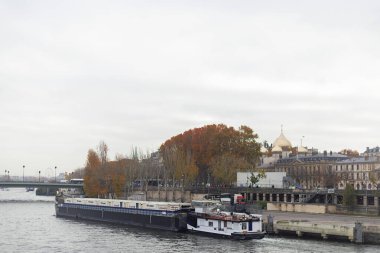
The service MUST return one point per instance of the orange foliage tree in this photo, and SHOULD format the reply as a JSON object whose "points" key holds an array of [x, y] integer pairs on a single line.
{"points": [[349, 152], [117, 176], [103, 177], [208, 151], [92, 184]]}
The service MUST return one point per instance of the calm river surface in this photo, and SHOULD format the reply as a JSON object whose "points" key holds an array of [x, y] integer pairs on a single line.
{"points": [[28, 224]]}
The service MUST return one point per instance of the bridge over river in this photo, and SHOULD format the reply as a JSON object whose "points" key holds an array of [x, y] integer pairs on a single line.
{"points": [[23, 184]]}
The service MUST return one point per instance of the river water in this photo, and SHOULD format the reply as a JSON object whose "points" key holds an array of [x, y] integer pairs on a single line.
{"points": [[28, 224]]}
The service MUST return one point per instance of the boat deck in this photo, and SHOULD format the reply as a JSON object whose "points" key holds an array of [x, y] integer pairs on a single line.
{"points": [[226, 217]]}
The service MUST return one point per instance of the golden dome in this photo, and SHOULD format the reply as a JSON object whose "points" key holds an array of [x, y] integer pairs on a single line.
{"points": [[276, 149], [282, 141], [301, 150]]}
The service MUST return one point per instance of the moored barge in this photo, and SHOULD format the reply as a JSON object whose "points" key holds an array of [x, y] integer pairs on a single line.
{"points": [[160, 215]]}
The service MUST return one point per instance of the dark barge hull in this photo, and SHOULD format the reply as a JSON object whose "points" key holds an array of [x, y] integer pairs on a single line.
{"points": [[164, 220]]}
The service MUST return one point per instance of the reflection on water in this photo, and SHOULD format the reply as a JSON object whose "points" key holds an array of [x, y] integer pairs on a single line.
{"points": [[28, 224]]}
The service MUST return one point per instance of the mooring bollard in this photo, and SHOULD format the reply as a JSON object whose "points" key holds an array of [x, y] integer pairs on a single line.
{"points": [[358, 233]]}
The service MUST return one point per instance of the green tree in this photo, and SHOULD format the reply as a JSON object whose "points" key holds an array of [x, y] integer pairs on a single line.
{"points": [[349, 196], [255, 177]]}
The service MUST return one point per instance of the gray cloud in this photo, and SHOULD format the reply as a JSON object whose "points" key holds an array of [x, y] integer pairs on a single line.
{"points": [[73, 73]]}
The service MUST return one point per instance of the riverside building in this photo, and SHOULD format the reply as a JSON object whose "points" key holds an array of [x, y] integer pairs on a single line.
{"points": [[310, 169], [305, 168], [361, 172]]}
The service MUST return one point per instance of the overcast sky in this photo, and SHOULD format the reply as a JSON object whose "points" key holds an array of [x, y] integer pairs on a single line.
{"points": [[135, 73]]}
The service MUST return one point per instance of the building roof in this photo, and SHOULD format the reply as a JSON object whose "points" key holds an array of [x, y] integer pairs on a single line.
{"points": [[362, 159], [314, 158], [372, 150]]}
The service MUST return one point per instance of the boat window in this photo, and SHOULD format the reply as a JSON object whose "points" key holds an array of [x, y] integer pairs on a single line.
{"points": [[210, 224], [244, 225]]}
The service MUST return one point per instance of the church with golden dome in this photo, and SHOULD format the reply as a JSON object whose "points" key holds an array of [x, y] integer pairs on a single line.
{"points": [[281, 148]]}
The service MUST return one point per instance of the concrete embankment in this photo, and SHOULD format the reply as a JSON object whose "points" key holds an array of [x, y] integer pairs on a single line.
{"points": [[355, 232]]}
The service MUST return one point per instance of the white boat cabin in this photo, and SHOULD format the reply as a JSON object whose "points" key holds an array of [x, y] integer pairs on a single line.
{"points": [[207, 218]]}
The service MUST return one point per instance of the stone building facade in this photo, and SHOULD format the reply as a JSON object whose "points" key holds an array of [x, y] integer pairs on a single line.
{"points": [[311, 172], [362, 172]]}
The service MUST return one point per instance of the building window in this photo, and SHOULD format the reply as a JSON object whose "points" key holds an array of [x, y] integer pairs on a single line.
{"points": [[244, 226], [370, 201], [210, 224]]}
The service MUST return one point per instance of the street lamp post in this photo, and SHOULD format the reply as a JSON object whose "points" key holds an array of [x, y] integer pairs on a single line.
{"points": [[55, 173], [23, 168], [39, 176], [183, 187]]}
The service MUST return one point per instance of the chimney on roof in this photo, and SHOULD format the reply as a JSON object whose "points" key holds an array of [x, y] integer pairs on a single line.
{"points": [[367, 150], [325, 153], [330, 153]]}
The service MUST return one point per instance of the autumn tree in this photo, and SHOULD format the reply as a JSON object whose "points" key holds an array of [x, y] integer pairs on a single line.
{"points": [[92, 174], [117, 175], [97, 180], [224, 168], [204, 148], [185, 167], [145, 170], [349, 152]]}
